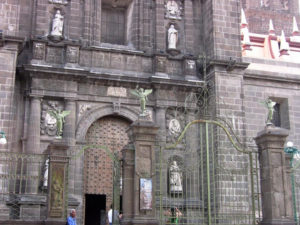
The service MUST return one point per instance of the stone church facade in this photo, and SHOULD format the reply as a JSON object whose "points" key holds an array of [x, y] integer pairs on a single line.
{"points": [[86, 57]]}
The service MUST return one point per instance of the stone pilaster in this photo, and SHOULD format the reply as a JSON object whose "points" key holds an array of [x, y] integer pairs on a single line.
{"points": [[142, 136], [70, 122], [128, 182], [58, 185], [276, 188], [161, 120]]}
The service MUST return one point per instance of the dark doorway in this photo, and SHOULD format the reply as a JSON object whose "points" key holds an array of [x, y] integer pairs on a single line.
{"points": [[95, 213]]}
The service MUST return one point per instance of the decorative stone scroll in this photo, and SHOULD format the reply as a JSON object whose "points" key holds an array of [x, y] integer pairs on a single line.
{"points": [[173, 9]]}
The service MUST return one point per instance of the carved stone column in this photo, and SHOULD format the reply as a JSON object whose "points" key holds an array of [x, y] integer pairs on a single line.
{"points": [[139, 210], [31, 202], [33, 141], [70, 120], [58, 185], [33, 129], [276, 188]]}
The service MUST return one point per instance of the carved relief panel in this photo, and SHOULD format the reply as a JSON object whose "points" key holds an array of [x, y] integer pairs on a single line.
{"points": [[48, 122], [173, 9], [175, 122]]}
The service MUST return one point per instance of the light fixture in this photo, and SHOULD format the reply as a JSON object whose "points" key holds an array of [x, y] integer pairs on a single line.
{"points": [[3, 140]]}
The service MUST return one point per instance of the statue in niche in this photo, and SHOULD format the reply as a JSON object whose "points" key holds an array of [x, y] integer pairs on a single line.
{"points": [[172, 37], [57, 24], [142, 95], [173, 10], [175, 178], [60, 120], [269, 104], [174, 127], [46, 171]]}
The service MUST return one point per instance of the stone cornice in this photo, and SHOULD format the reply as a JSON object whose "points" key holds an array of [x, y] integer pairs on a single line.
{"points": [[79, 73]]}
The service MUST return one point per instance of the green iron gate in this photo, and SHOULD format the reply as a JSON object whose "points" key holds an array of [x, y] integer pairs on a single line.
{"points": [[217, 181]]}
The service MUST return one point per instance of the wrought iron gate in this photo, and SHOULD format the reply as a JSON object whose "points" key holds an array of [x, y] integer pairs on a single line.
{"points": [[22, 176], [219, 179]]}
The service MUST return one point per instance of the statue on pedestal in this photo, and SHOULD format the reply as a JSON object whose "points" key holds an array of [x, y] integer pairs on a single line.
{"points": [[142, 94], [57, 24], [269, 104], [172, 37]]}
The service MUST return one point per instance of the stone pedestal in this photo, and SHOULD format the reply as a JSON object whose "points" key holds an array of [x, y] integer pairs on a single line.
{"points": [[57, 184], [31, 206], [277, 207], [139, 167]]}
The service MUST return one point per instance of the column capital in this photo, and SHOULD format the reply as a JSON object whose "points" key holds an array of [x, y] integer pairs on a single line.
{"points": [[34, 96], [70, 99]]}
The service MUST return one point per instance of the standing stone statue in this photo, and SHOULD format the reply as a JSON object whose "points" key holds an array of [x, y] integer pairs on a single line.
{"points": [[57, 24], [175, 178], [142, 94], [60, 119], [172, 37], [269, 104], [46, 172]]}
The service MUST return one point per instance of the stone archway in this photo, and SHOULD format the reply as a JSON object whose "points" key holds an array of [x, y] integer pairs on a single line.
{"points": [[109, 132]]}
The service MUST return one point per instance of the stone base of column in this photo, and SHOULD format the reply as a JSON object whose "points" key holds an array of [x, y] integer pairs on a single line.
{"points": [[278, 222], [4, 212], [31, 207]]}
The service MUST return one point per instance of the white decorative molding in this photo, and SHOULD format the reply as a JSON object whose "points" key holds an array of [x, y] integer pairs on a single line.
{"points": [[117, 91], [61, 2]]}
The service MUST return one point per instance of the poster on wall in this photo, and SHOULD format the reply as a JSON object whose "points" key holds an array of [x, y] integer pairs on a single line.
{"points": [[145, 193]]}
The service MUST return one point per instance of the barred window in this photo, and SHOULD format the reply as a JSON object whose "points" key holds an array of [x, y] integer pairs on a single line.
{"points": [[113, 22], [281, 113], [276, 116]]}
